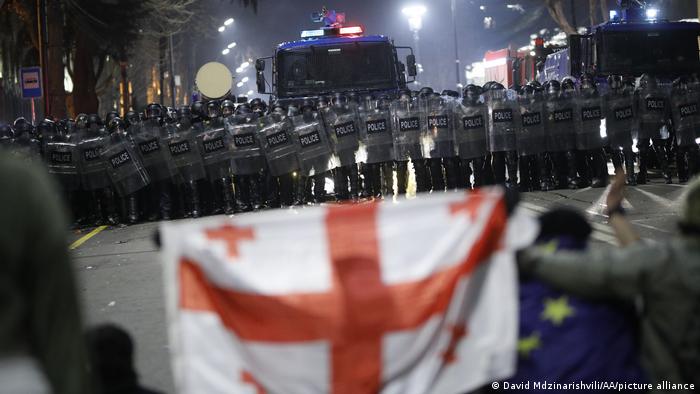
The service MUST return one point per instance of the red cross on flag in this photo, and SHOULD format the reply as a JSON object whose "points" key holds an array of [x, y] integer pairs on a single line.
{"points": [[418, 296]]}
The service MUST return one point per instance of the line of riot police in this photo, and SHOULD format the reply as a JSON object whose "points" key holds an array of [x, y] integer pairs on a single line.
{"points": [[219, 157]]}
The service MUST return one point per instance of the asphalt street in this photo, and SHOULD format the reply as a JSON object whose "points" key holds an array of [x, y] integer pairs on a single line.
{"points": [[120, 273]]}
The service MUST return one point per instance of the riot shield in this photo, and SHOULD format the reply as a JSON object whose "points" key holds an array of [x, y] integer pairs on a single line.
{"points": [[124, 167], [63, 163], [26, 147], [408, 120], [589, 113], [342, 123], [653, 111], [619, 120], [92, 166], [315, 154], [149, 141], [531, 138], [686, 118], [281, 149], [247, 155], [504, 121], [214, 144], [376, 133], [470, 130], [559, 125], [185, 155], [438, 139]]}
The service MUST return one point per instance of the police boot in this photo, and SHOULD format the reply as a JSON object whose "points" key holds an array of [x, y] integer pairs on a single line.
{"points": [[286, 190], [534, 174], [487, 167], [401, 177], [320, 188], [466, 174], [545, 173], [599, 166], [499, 167], [96, 217], [525, 184], [239, 182], [571, 179], [355, 181], [682, 156], [227, 196], [387, 179], [436, 176], [340, 184], [420, 169], [451, 165], [643, 160], [662, 157], [512, 169], [110, 206], [693, 156], [194, 200], [584, 167], [632, 179], [132, 209], [165, 201]]}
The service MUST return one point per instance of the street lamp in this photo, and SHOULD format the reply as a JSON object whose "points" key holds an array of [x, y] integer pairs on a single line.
{"points": [[231, 45], [221, 29], [225, 51], [228, 21], [415, 13]]}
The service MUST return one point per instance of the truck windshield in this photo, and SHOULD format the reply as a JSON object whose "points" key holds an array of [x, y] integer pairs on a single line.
{"points": [[320, 69], [659, 52]]}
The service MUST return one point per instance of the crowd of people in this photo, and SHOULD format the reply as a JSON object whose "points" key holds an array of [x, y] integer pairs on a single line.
{"points": [[225, 157]]}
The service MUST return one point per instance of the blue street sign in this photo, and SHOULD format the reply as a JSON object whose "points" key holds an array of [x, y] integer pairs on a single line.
{"points": [[30, 82]]}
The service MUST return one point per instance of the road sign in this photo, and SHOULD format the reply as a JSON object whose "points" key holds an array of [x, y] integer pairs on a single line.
{"points": [[30, 80]]}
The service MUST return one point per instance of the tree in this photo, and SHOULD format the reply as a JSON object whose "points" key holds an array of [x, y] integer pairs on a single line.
{"points": [[556, 10]]}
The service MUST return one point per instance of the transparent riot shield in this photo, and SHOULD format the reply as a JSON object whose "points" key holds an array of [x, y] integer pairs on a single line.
{"points": [[151, 147], [561, 132], [470, 130], [589, 113], [408, 120], [438, 137], [124, 166], [185, 155], [63, 163], [686, 118], [92, 166], [531, 137], [214, 144], [620, 117], [653, 111], [315, 153], [246, 152], [342, 123], [281, 149], [504, 121], [376, 133]]}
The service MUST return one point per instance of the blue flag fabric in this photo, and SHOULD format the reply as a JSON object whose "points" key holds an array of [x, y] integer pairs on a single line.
{"points": [[565, 339]]}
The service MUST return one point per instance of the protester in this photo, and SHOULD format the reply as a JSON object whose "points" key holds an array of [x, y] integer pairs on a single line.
{"points": [[41, 348], [663, 278], [567, 339], [112, 352]]}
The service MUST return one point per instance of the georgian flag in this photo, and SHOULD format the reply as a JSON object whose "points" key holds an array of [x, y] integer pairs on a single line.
{"points": [[418, 296]]}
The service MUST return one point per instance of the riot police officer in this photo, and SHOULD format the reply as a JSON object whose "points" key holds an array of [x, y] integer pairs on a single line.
{"points": [[561, 137], [247, 161], [686, 124], [408, 119], [504, 120], [620, 119], [376, 133], [342, 122], [651, 102], [439, 133], [471, 122], [214, 144], [281, 151], [315, 154], [532, 141], [592, 164]]}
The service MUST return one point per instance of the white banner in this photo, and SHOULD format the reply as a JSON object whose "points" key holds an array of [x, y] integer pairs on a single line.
{"points": [[418, 296]]}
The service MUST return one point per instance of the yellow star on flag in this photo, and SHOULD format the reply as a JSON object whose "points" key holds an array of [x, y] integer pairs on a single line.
{"points": [[557, 310], [527, 344]]}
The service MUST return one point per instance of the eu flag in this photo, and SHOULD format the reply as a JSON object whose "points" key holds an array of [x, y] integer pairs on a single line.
{"points": [[566, 339]]}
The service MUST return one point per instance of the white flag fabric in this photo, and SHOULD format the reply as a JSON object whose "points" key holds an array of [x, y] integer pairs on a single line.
{"points": [[418, 296]]}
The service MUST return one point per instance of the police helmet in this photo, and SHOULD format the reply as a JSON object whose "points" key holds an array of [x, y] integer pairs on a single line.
{"points": [[213, 109], [94, 121], [111, 115], [154, 111], [243, 109], [7, 133], [568, 84], [228, 107], [46, 127], [22, 126], [115, 124]]}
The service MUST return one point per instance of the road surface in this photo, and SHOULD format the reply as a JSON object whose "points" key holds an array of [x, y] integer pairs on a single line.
{"points": [[120, 272]]}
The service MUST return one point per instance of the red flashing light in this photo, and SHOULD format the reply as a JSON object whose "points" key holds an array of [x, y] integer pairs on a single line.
{"points": [[350, 30]]}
